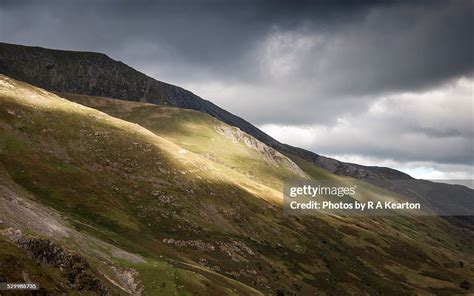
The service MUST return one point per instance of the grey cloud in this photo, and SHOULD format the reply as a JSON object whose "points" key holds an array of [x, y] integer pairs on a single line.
{"points": [[387, 50], [376, 46], [430, 126], [285, 62]]}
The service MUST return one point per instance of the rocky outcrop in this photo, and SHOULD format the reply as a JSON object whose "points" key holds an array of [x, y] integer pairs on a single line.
{"points": [[74, 268], [234, 249], [270, 155], [343, 168], [129, 280]]}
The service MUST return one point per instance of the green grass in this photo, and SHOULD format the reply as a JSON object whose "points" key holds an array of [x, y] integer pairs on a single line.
{"points": [[201, 134], [130, 185]]}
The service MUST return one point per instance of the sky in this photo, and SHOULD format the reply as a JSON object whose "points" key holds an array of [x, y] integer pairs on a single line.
{"points": [[386, 83]]}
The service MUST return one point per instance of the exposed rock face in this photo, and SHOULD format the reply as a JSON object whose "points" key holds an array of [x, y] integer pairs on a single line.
{"points": [[236, 250], [271, 156], [129, 279], [344, 168], [96, 74], [73, 267], [84, 73]]}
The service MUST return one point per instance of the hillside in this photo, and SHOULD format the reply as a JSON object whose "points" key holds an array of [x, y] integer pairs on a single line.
{"points": [[130, 193], [194, 131], [96, 74]]}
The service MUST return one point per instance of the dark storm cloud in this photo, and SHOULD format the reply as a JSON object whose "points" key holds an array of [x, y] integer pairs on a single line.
{"points": [[215, 35], [291, 63], [398, 45]]}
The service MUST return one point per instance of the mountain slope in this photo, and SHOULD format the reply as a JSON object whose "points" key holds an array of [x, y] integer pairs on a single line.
{"points": [[153, 204], [71, 159], [96, 74], [195, 131]]}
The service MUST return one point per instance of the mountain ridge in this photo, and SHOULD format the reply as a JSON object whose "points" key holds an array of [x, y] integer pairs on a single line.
{"points": [[91, 73], [96, 74]]}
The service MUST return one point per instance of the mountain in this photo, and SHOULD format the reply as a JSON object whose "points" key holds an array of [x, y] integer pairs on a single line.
{"points": [[96, 74], [107, 196], [94, 202]]}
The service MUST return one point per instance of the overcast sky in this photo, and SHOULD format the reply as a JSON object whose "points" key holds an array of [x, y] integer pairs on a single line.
{"points": [[379, 83]]}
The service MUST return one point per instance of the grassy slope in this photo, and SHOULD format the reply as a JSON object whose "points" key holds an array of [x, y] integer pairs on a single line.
{"points": [[216, 198], [218, 142], [203, 135], [188, 127], [55, 150]]}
